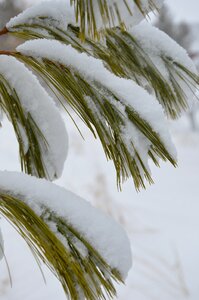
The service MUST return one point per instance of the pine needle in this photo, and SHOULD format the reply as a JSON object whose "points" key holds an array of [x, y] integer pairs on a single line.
{"points": [[88, 276], [134, 63], [103, 118], [31, 158], [86, 15]]}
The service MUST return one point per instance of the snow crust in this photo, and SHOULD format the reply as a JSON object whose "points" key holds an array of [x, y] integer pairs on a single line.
{"points": [[107, 236], [36, 101], [92, 69], [158, 45], [61, 13]]}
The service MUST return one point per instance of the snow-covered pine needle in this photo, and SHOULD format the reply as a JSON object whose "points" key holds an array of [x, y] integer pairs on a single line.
{"points": [[36, 120], [172, 63], [109, 105], [56, 224], [140, 53], [157, 70], [93, 17]]}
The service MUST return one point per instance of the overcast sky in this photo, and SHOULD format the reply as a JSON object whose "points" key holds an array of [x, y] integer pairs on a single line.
{"points": [[185, 9]]}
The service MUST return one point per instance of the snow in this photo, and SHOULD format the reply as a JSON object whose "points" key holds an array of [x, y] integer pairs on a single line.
{"points": [[129, 92], [1, 245], [162, 222], [43, 110], [165, 228], [158, 45], [103, 233], [60, 13]]}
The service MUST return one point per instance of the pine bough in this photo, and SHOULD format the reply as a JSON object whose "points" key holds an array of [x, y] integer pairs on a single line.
{"points": [[122, 78]]}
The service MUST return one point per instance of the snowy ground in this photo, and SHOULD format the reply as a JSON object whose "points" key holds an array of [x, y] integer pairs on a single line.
{"points": [[162, 222]]}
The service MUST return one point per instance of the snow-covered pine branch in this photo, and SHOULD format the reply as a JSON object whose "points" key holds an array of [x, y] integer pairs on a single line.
{"points": [[142, 53], [113, 85], [165, 70], [92, 16], [36, 120], [173, 65], [129, 132], [84, 248]]}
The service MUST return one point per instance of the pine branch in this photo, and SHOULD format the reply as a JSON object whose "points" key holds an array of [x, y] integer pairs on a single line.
{"points": [[6, 52], [77, 275], [31, 160], [111, 99], [106, 114], [37, 149], [93, 17], [124, 54], [66, 251], [3, 31], [136, 63], [111, 13], [141, 66]]}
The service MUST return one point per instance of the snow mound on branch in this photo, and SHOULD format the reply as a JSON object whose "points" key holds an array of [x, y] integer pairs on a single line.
{"points": [[93, 70], [60, 13], [102, 232], [159, 46], [36, 101]]}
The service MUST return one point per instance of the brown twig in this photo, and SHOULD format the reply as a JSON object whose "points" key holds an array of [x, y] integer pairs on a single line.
{"points": [[3, 31], [6, 52]]}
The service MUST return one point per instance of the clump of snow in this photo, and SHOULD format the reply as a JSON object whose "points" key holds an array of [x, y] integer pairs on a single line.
{"points": [[106, 236], [126, 90], [159, 46], [60, 13], [57, 12], [36, 101]]}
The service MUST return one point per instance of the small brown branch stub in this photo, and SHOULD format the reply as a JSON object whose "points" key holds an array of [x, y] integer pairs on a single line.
{"points": [[3, 31], [5, 52]]}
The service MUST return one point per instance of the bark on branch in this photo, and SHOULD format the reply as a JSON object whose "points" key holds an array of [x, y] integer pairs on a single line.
{"points": [[3, 31]]}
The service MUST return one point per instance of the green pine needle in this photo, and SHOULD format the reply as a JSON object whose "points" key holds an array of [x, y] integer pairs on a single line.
{"points": [[134, 63], [91, 101], [86, 15], [31, 158], [89, 276]]}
